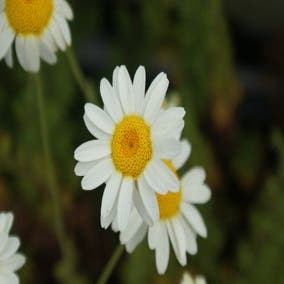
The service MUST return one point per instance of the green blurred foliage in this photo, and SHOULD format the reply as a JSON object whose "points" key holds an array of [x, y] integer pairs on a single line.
{"points": [[260, 255]]}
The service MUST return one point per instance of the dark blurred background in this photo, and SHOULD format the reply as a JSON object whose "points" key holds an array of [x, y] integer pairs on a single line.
{"points": [[225, 63]]}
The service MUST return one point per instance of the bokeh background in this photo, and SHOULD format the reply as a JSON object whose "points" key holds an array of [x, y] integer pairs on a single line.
{"points": [[225, 63]]}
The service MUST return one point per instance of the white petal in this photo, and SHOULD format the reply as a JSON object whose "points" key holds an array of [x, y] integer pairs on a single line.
{"points": [[114, 225], [187, 279], [98, 174], [150, 176], [115, 80], [139, 82], [6, 221], [99, 118], [111, 101], [167, 180], [177, 238], [125, 90], [137, 238], [110, 193], [196, 176], [153, 86], [47, 54], [200, 279], [92, 150], [163, 251], [64, 28], [139, 205], [154, 99], [169, 123], [167, 148], [198, 194], [6, 38], [154, 235], [134, 224], [148, 197], [190, 235], [110, 218], [27, 49], [4, 237], [124, 203], [32, 54], [2, 5], [63, 8], [14, 262], [194, 190], [183, 155], [194, 218], [95, 131], [3, 21], [82, 168], [9, 57], [10, 248], [9, 278], [20, 50], [48, 40], [57, 35]]}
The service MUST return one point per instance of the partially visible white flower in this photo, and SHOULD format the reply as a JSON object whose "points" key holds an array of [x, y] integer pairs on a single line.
{"points": [[10, 260], [179, 220], [188, 279], [38, 27], [134, 133]]}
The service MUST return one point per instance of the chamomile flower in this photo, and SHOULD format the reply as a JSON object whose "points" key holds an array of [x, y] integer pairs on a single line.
{"points": [[38, 28], [10, 260], [133, 134], [188, 279], [179, 220]]}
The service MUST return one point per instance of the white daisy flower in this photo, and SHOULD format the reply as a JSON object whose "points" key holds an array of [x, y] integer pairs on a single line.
{"points": [[10, 261], [179, 220], [38, 27], [188, 279], [133, 134]]}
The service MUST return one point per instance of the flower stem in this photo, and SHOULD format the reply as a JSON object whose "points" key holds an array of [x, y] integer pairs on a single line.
{"points": [[66, 269], [110, 265], [78, 76], [51, 180]]}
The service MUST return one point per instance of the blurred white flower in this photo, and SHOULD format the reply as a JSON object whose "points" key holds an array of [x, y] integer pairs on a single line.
{"points": [[133, 134], [188, 279], [10, 260], [38, 27], [179, 220]]}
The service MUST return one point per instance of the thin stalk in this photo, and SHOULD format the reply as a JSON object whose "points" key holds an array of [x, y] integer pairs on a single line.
{"points": [[67, 273], [110, 265], [51, 180], [78, 76]]}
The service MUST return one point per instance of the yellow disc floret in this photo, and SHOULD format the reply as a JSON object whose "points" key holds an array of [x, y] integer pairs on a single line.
{"points": [[169, 203], [29, 16], [131, 146]]}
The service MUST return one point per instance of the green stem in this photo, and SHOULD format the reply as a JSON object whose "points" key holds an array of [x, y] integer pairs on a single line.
{"points": [[51, 180], [79, 77], [110, 265]]}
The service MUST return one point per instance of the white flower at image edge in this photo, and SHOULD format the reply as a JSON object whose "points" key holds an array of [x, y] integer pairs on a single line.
{"points": [[10, 260], [179, 221], [38, 27], [133, 134], [188, 279]]}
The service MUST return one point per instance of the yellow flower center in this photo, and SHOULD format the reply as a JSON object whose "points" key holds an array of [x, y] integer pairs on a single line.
{"points": [[29, 16], [131, 146], [169, 203]]}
